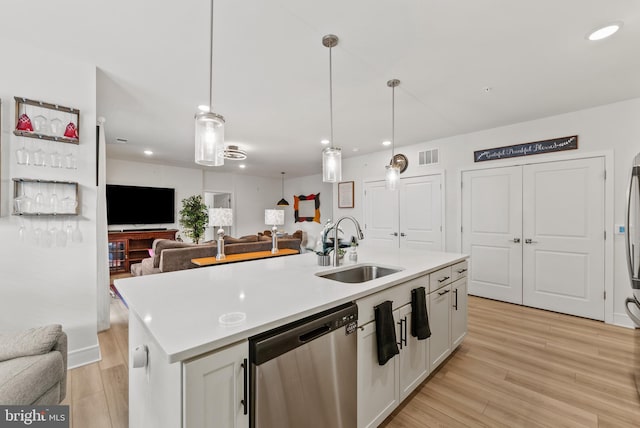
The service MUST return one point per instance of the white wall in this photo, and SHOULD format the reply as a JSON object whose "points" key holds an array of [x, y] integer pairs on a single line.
{"points": [[49, 285], [251, 194], [311, 184], [613, 127], [186, 182]]}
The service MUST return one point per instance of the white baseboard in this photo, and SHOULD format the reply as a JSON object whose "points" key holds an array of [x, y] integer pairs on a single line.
{"points": [[84, 356], [623, 320]]}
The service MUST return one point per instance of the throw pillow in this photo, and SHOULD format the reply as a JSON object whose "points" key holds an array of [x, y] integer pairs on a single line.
{"points": [[34, 341]]}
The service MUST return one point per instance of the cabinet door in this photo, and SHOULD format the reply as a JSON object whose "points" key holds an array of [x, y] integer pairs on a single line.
{"points": [[117, 255], [414, 356], [214, 389], [377, 385], [440, 340], [458, 312]]}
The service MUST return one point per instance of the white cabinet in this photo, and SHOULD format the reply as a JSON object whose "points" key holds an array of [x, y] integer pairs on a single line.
{"points": [[216, 389], [382, 388], [440, 346], [378, 387], [458, 312], [413, 358]]}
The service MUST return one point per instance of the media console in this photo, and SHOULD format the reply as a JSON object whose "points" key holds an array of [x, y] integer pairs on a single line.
{"points": [[129, 247]]}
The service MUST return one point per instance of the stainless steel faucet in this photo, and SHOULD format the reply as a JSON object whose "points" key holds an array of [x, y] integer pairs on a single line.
{"points": [[336, 244]]}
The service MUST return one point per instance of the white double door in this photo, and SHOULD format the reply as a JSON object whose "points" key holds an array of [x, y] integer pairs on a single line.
{"points": [[408, 217], [535, 234]]}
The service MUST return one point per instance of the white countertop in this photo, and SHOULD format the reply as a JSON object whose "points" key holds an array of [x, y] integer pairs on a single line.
{"points": [[182, 309]]}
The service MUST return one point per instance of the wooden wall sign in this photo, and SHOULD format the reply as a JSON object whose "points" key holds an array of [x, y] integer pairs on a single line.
{"points": [[535, 148]]}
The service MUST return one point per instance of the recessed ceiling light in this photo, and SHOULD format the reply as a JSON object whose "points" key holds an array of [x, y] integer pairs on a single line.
{"points": [[148, 152], [243, 166], [604, 32], [203, 107], [325, 142], [386, 143], [355, 149]]}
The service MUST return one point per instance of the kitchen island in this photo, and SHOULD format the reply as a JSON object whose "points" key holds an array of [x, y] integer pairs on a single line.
{"points": [[178, 319]]}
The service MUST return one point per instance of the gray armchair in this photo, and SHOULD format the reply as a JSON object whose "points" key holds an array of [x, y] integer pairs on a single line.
{"points": [[33, 366]]}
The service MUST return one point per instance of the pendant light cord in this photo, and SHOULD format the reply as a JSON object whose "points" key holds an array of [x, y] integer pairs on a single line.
{"points": [[211, 63], [282, 185], [331, 96], [393, 122]]}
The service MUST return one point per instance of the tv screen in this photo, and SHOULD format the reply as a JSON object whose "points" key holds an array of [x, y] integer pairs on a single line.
{"points": [[140, 205]]}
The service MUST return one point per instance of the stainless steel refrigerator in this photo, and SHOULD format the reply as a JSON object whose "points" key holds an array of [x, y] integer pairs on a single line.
{"points": [[632, 304]]}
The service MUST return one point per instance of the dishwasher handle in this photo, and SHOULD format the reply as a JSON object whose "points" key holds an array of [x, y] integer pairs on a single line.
{"points": [[306, 337]]}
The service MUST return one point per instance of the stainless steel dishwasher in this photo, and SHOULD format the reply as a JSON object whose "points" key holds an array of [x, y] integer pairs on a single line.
{"points": [[304, 374]]}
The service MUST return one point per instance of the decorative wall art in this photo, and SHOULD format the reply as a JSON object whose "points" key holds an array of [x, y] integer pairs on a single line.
{"points": [[535, 148], [345, 194], [306, 208]]}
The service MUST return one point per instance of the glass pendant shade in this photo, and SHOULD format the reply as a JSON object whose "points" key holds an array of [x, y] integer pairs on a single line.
{"points": [[392, 176], [332, 165], [209, 139]]}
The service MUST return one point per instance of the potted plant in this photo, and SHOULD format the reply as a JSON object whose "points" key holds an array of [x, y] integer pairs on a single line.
{"points": [[194, 217]]}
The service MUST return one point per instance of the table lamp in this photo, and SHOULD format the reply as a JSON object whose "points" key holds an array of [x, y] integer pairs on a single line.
{"points": [[220, 217], [275, 218]]}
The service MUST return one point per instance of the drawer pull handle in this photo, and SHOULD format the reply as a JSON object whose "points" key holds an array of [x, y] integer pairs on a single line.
{"points": [[245, 387], [444, 292], [444, 278], [462, 270]]}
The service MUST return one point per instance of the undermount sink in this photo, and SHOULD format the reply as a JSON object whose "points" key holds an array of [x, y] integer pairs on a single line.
{"points": [[358, 274]]}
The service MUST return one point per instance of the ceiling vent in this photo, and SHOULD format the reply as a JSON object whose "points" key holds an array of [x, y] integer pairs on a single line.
{"points": [[428, 157]]}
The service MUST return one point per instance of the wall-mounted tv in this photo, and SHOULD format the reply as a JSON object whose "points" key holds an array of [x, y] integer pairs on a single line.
{"points": [[140, 205]]}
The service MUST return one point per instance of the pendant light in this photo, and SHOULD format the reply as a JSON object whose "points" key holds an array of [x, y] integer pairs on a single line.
{"points": [[393, 170], [331, 156], [209, 125], [282, 202]]}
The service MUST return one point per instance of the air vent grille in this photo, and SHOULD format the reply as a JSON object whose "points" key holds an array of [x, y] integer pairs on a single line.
{"points": [[428, 157]]}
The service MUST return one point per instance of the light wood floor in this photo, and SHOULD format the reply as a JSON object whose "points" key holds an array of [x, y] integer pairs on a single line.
{"points": [[518, 367], [523, 367]]}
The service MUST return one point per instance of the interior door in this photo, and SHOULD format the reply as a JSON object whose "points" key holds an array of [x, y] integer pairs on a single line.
{"points": [[492, 230], [421, 212], [381, 215], [563, 237]]}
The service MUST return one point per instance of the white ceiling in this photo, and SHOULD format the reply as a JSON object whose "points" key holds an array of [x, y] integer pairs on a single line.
{"points": [[271, 71]]}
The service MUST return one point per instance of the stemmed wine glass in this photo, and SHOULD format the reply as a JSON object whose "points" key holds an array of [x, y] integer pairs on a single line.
{"points": [[47, 236], [23, 203], [22, 154], [39, 199], [61, 236], [53, 201]]}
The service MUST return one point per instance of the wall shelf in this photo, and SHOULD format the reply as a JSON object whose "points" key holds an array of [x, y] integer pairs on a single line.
{"points": [[58, 198], [48, 114]]}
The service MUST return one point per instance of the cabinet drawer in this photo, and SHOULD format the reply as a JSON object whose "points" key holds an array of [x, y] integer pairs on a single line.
{"points": [[399, 294], [439, 278], [459, 270]]}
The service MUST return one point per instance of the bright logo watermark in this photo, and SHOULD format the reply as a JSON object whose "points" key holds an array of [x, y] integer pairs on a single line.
{"points": [[34, 416]]}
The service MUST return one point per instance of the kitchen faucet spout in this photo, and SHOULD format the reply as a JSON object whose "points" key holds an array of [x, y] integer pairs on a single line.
{"points": [[336, 245]]}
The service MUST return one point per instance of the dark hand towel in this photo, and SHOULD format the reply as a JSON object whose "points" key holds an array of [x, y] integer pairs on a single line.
{"points": [[419, 318], [385, 332]]}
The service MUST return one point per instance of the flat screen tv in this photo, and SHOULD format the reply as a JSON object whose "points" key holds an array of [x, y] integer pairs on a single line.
{"points": [[140, 205]]}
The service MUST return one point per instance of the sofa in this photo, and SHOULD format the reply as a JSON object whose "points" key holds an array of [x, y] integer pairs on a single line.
{"points": [[169, 255], [33, 366]]}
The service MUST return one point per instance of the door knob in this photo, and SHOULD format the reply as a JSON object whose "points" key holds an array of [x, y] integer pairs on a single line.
{"points": [[516, 240], [402, 234], [529, 241], [394, 234]]}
